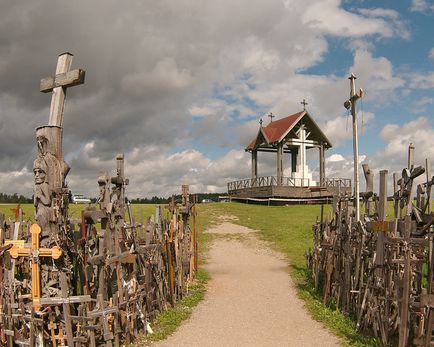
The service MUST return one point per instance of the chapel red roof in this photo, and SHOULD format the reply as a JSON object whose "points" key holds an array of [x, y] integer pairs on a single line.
{"points": [[277, 130], [274, 131]]}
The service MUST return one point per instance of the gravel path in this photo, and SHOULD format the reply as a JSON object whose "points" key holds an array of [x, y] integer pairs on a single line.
{"points": [[251, 300]]}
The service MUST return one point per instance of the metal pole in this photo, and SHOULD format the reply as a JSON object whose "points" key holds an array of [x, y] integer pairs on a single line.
{"points": [[352, 79]]}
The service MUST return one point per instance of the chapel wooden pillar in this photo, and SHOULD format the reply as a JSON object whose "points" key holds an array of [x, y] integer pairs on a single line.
{"points": [[321, 165], [254, 166], [279, 163], [294, 153]]}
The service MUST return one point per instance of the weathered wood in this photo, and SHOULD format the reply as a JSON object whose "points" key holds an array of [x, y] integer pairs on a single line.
{"points": [[279, 158], [254, 164], [35, 252], [123, 264], [390, 291], [321, 165], [66, 79]]}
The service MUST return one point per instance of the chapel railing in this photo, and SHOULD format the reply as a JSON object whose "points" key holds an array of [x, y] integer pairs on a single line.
{"points": [[267, 181]]}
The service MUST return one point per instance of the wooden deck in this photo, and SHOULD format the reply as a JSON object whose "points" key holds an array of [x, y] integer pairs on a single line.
{"points": [[268, 187]]}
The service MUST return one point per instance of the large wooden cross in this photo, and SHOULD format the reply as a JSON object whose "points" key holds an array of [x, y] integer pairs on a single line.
{"points": [[35, 252], [58, 84]]}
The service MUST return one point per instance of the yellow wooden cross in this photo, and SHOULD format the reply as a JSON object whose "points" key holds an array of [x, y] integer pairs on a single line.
{"points": [[35, 252]]}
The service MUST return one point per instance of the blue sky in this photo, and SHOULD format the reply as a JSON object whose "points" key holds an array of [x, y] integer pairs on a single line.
{"points": [[179, 87]]}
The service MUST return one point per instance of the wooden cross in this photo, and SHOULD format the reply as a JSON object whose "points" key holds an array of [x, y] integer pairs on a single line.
{"points": [[18, 212], [65, 300], [304, 103], [103, 314], [63, 79], [35, 252], [271, 116]]}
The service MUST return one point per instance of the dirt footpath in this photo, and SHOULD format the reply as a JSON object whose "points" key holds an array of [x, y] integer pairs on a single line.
{"points": [[251, 300]]}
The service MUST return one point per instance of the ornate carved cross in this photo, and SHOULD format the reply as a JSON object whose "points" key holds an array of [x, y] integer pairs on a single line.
{"points": [[58, 84], [35, 252]]}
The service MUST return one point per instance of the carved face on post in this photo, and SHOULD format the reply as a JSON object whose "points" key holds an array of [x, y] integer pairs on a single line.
{"points": [[39, 171]]}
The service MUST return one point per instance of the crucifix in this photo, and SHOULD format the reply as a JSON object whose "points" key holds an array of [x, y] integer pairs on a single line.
{"points": [[304, 103], [351, 104], [34, 252], [58, 84], [271, 116]]}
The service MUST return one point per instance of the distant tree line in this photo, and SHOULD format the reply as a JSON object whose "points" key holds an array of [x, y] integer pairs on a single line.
{"points": [[160, 200], [20, 199], [14, 198]]}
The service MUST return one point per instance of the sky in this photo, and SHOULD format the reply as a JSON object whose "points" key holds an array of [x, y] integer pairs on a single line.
{"points": [[179, 86]]}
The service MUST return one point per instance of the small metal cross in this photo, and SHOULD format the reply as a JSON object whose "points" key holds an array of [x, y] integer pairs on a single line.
{"points": [[271, 116], [260, 122], [304, 103]]}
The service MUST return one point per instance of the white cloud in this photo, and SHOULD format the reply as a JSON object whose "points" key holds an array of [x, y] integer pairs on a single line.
{"points": [[422, 81], [431, 53], [328, 17], [165, 75], [335, 157], [375, 75], [421, 6], [420, 132], [340, 128], [421, 104], [156, 171]]}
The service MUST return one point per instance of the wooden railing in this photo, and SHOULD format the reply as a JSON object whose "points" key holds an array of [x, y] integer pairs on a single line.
{"points": [[268, 181]]}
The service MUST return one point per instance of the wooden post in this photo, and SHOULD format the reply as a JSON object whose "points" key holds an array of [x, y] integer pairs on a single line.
{"points": [[321, 165], [194, 213], [382, 206], [66, 309], [369, 187], [410, 156], [428, 188], [351, 103], [279, 163], [403, 324], [254, 166], [294, 153], [395, 195]]}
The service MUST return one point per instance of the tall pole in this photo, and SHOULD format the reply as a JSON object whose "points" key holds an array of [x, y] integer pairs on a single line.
{"points": [[352, 103]]}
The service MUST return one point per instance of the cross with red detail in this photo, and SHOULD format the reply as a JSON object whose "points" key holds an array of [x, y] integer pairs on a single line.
{"points": [[16, 211]]}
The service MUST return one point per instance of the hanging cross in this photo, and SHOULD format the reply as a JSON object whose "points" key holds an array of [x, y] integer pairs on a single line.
{"points": [[63, 79], [35, 252], [271, 116], [304, 103]]}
